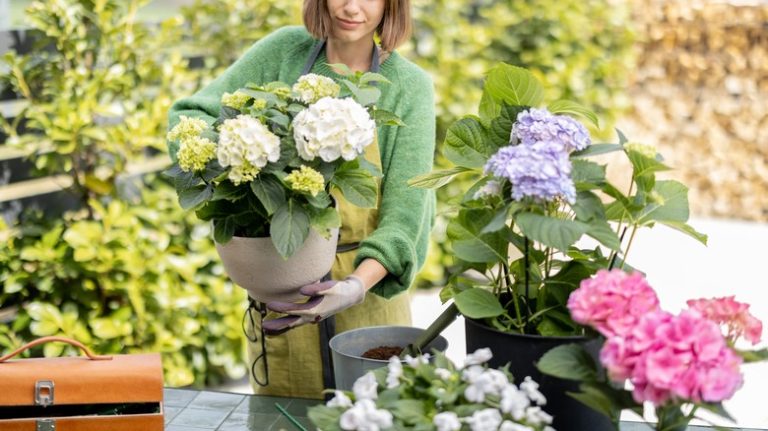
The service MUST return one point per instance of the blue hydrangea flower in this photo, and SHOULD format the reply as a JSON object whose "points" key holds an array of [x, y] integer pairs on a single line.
{"points": [[540, 170], [537, 125]]}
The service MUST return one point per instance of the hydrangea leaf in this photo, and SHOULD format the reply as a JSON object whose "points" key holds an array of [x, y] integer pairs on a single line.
{"points": [[465, 143], [514, 86], [478, 304], [569, 361], [549, 231], [573, 108], [289, 228]]}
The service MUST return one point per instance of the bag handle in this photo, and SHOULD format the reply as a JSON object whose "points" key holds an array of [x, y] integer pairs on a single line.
{"points": [[44, 340]]}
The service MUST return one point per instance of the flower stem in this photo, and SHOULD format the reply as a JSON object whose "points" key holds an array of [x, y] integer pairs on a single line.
{"points": [[527, 282], [629, 244]]}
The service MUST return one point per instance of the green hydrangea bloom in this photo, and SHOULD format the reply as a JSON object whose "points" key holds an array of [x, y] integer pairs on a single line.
{"points": [[643, 149], [187, 128], [243, 173], [259, 104], [312, 87], [236, 100], [306, 179], [194, 153]]}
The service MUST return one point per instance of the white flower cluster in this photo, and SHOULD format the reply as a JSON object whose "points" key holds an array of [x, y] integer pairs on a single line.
{"points": [[363, 414], [246, 145], [333, 128], [312, 87]]}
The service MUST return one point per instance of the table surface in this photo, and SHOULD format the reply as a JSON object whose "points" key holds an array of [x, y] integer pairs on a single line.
{"points": [[191, 410]]}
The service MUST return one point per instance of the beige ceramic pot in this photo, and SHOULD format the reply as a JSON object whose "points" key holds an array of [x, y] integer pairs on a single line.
{"points": [[255, 265]]}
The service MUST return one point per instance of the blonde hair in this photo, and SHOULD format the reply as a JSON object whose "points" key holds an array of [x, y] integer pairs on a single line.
{"points": [[393, 30]]}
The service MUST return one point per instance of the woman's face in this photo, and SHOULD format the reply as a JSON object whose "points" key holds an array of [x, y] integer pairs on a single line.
{"points": [[354, 20]]}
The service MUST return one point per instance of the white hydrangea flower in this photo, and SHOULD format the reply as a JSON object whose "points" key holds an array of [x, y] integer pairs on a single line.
{"points": [[365, 387], [418, 360], [514, 402], [340, 399], [531, 388], [485, 420], [395, 372], [333, 128], [511, 426], [491, 188], [246, 145], [443, 373], [447, 421], [480, 356], [312, 87], [364, 416], [536, 416]]}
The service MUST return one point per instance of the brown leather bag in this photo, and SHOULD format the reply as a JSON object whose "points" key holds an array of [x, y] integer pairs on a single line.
{"points": [[83, 393]]}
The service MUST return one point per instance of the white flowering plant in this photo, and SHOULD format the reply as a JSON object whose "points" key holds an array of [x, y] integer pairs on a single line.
{"points": [[538, 193], [277, 155], [436, 395]]}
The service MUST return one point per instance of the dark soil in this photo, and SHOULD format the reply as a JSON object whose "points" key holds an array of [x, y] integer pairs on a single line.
{"points": [[382, 352]]}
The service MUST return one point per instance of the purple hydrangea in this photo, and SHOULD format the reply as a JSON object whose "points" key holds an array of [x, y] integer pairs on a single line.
{"points": [[540, 170], [537, 125]]}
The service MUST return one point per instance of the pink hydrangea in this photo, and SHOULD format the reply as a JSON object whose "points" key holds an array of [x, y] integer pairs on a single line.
{"points": [[612, 301], [670, 357], [734, 315]]}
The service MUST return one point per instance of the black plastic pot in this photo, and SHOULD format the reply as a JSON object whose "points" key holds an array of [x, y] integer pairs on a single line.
{"points": [[522, 352]]}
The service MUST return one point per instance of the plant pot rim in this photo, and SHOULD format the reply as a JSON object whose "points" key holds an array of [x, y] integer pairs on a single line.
{"points": [[382, 361], [477, 322]]}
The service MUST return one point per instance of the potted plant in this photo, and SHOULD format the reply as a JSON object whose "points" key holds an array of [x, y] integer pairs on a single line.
{"points": [[540, 217], [680, 364], [269, 172], [436, 395]]}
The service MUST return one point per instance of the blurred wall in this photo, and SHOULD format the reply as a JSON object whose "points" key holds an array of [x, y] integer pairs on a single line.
{"points": [[700, 94]]}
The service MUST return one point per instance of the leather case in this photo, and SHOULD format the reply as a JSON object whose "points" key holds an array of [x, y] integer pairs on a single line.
{"points": [[83, 393]]}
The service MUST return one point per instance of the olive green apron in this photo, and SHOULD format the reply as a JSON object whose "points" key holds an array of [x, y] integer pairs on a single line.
{"points": [[293, 365]]}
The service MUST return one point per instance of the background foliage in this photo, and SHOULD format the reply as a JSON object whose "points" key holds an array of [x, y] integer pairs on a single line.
{"points": [[123, 272]]}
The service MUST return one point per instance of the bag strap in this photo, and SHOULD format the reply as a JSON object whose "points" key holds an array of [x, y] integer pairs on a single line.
{"points": [[44, 340]]}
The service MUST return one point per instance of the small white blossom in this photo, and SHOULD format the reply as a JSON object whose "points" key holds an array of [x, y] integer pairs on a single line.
{"points": [[531, 388], [480, 356], [364, 416], [488, 382], [443, 373], [340, 399], [333, 129], [418, 360], [365, 387], [312, 87], [447, 421], [537, 416], [472, 373], [491, 188], [512, 426], [485, 420], [395, 372], [514, 402]]}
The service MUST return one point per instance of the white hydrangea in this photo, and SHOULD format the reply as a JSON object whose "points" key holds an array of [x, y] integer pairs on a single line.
{"points": [[485, 420], [340, 399], [511, 426], [364, 416], [246, 145], [446, 421], [365, 387], [333, 128], [312, 87], [480, 356], [395, 372]]}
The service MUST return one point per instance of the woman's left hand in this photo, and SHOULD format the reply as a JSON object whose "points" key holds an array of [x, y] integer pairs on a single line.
{"points": [[325, 299]]}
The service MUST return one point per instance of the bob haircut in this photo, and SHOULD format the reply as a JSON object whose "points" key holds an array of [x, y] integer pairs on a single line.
{"points": [[393, 31]]}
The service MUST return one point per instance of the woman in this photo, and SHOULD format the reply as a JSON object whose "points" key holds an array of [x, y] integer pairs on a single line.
{"points": [[380, 249]]}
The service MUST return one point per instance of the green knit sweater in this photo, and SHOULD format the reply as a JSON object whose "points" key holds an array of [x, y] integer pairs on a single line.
{"points": [[406, 214]]}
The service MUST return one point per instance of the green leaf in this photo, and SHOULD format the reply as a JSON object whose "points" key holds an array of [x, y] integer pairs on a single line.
{"points": [[370, 167], [325, 220], [325, 418], [602, 231], [574, 108], [465, 143], [549, 231], [643, 165], [356, 185], [596, 149], [596, 399], [514, 86], [226, 190], [409, 411], [107, 328], [588, 206], [437, 179], [270, 192], [501, 126], [587, 175], [321, 200], [687, 229], [369, 77], [718, 409], [386, 118], [195, 196], [751, 356], [478, 304], [469, 244], [341, 68], [289, 228], [223, 230], [569, 361], [669, 202], [488, 109], [499, 220]]}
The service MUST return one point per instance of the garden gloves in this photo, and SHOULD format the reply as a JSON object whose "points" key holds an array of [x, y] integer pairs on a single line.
{"points": [[325, 299]]}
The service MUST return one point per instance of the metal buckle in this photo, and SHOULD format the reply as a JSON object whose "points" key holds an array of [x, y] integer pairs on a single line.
{"points": [[45, 425], [44, 393]]}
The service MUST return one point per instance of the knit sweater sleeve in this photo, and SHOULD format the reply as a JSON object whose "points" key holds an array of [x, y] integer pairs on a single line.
{"points": [[259, 64], [406, 214]]}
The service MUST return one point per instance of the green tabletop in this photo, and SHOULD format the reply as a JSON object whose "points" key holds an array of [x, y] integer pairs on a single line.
{"points": [[189, 410]]}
